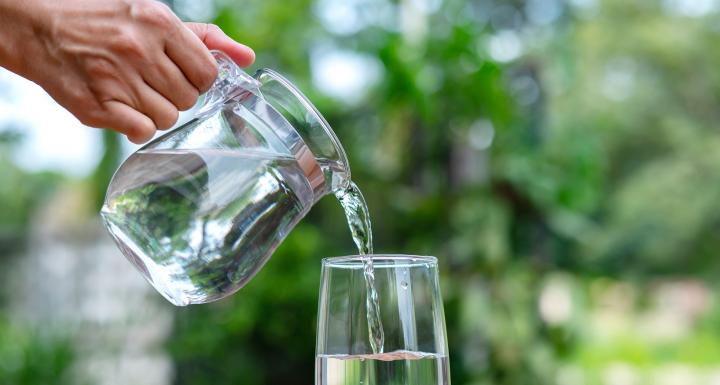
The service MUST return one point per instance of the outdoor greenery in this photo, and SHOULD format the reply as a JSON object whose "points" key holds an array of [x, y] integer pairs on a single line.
{"points": [[560, 158], [27, 358]]}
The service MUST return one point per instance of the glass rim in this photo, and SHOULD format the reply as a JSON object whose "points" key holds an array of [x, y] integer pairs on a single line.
{"points": [[310, 107], [379, 261]]}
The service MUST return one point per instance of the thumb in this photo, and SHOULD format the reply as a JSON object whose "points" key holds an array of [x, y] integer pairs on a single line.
{"points": [[214, 38]]}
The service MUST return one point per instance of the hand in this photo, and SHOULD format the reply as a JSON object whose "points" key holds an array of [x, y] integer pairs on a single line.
{"points": [[126, 65]]}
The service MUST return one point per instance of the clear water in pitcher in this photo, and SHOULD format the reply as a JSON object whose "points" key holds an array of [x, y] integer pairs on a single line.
{"points": [[205, 217]]}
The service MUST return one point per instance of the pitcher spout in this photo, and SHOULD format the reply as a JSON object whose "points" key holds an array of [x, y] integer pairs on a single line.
{"points": [[319, 154]]}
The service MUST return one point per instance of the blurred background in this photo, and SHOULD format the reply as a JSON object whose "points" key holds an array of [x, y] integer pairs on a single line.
{"points": [[560, 157]]}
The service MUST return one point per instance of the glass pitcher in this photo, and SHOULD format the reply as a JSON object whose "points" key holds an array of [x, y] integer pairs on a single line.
{"points": [[200, 209]]}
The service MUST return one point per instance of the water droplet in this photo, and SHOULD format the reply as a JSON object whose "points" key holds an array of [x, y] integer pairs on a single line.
{"points": [[404, 284]]}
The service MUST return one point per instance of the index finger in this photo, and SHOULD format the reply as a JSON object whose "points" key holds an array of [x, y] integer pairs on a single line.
{"points": [[214, 38], [193, 58]]}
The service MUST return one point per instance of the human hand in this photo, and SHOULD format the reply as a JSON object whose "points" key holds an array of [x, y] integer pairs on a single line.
{"points": [[126, 65]]}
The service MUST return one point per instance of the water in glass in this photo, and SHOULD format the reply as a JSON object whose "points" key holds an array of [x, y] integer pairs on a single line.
{"points": [[399, 367]]}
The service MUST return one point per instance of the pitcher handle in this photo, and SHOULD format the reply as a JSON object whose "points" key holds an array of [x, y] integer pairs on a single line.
{"points": [[231, 80]]}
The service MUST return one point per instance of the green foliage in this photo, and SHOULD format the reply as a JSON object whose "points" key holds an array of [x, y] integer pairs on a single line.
{"points": [[589, 162], [28, 357], [592, 175], [20, 194], [402, 140]]}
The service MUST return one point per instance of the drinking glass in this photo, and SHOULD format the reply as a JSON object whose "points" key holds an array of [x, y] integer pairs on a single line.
{"points": [[414, 350]]}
